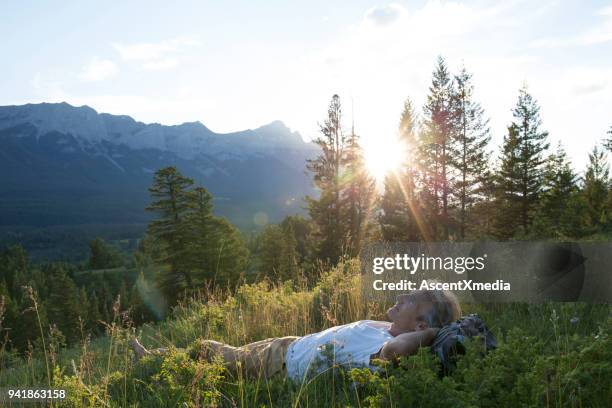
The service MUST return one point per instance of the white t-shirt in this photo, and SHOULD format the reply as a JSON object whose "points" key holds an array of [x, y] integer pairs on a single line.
{"points": [[349, 345]]}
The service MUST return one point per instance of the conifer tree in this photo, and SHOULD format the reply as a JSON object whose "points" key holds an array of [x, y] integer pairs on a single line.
{"points": [[401, 212], [13, 267], [63, 303], [215, 249], [83, 303], [326, 211], [141, 304], [124, 296], [302, 230], [358, 195], [93, 315], [230, 254], [595, 191], [26, 327], [106, 302], [436, 151], [559, 213], [469, 155], [484, 213], [199, 224], [279, 257], [507, 222], [171, 204], [521, 172], [608, 140], [103, 255]]}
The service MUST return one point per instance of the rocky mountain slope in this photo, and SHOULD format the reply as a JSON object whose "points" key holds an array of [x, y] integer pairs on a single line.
{"points": [[66, 165]]}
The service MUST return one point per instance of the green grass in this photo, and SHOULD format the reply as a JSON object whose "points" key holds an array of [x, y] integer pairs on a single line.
{"points": [[550, 355]]}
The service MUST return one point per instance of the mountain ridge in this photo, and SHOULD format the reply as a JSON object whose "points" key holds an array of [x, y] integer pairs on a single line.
{"points": [[66, 165], [186, 139]]}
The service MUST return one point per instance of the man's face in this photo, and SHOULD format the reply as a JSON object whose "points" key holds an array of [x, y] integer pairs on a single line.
{"points": [[406, 312]]}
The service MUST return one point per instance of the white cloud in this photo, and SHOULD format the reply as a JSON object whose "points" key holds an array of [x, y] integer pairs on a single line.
{"points": [[599, 33], [98, 70], [383, 15], [606, 11], [154, 56], [159, 64], [585, 80], [588, 88], [45, 90]]}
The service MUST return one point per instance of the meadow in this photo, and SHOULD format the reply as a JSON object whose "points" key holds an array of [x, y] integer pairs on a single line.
{"points": [[548, 355]]}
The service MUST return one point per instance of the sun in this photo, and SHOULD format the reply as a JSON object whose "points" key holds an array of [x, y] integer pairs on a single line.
{"points": [[382, 157]]}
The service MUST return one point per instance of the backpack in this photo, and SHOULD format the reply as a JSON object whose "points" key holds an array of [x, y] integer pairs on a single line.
{"points": [[451, 339]]}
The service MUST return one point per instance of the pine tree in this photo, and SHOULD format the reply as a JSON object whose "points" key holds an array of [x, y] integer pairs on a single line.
{"points": [[142, 302], [106, 302], [608, 140], [103, 255], [124, 298], [93, 315], [401, 212], [595, 191], [358, 195], [211, 244], [63, 303], [472, 137], [14, 266], [26, 327], [171, 203], [558, 213], [279, 257], [304, 242], [521, 173], [485, 210], [83, 304], [199, 223], [507, 223], [229, 252], [326, 211], [436, 151]]}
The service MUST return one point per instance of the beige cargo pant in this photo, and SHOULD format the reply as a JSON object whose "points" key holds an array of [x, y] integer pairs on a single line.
{"points": [[261, 359]]}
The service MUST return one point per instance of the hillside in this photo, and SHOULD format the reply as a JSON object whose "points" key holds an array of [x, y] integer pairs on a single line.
{"points": [[548, 355]]}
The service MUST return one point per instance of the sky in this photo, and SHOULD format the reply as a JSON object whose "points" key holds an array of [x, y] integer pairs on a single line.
{"points": [[234, 65]]}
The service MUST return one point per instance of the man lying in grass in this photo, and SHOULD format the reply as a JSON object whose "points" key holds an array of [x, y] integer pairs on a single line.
{"points": [[414, 322]]}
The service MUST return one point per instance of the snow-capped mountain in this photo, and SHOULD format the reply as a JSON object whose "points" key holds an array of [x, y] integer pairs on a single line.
{"points": [[66, 165]]}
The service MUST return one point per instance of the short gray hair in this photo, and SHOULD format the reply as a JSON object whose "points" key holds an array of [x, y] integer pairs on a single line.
{"points": [[445, 307]]}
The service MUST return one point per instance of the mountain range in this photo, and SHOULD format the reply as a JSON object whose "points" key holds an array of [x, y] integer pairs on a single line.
{"points": [[62, 165]]}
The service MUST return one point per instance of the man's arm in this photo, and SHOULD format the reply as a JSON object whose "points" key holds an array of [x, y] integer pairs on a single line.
{"points": [[407, 344]]}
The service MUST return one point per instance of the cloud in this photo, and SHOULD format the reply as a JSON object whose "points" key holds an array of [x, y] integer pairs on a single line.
{"points": [[585, 89], [154, 56], [98, 70], [159, 64], [586, 80], [606, 11], [46, 90], [599, 33], [384, 15]]}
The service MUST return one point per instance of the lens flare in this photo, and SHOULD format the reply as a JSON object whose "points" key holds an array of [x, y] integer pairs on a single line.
{"points": [[383, 156]]}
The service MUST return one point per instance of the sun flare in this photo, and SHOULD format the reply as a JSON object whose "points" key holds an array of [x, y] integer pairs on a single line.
{"points": [[382, 157]]}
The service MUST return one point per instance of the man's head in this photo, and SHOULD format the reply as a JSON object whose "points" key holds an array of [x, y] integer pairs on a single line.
{"points": [[422, 309]]}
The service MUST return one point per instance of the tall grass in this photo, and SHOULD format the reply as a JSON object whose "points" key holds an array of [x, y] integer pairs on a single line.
{"points": [[549, 355]]}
